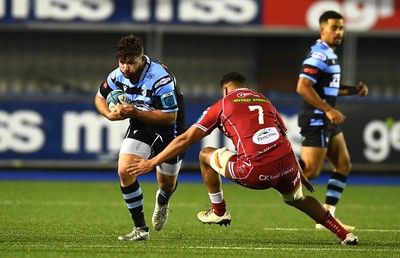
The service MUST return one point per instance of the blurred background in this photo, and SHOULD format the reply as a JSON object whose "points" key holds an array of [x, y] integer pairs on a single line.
{"points": [[54, 54]]}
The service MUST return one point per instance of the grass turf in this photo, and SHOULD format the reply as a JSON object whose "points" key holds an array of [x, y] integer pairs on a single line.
{"points": [[83, 219]]}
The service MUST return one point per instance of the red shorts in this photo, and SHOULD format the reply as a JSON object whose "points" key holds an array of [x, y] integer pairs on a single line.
{"points": [[282, 174]]}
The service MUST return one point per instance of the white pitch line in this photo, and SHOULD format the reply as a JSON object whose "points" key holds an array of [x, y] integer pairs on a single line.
{"points": [[312, 229], [339, 249]]}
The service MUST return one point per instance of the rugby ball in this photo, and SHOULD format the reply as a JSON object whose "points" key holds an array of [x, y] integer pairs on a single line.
{"points": [[115, 97]]}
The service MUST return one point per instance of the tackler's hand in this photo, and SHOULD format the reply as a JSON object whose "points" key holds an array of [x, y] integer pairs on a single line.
{"points": [[139, 167]]}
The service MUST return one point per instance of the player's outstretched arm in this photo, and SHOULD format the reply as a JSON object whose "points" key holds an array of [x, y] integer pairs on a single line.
{"points": [[178, 146]]}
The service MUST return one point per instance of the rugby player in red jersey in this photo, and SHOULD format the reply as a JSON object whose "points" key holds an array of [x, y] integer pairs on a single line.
{"points": [[264, 157]]}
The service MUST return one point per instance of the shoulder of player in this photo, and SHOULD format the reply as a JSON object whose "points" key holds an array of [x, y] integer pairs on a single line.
{"points": [[115, 75]]}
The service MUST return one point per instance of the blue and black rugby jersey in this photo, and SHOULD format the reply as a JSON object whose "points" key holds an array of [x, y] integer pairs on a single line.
{"points": [[156, 87], [321, 66]]}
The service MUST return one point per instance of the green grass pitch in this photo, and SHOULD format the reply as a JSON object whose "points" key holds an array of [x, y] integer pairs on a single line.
{"points": [[83, 219]]}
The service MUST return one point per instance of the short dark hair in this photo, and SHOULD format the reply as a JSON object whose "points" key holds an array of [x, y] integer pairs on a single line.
{"points": [[329, 15], [235, 77], [129, 47]]}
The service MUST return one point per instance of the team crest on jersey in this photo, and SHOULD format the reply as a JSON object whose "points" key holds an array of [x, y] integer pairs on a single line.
{"points": [[150, 76], [113, 76], [168, 100], [319, 56], [125, 87], [266, 135]]}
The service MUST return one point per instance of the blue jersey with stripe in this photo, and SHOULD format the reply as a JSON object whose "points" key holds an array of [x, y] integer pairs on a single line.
{"points": [[321, 67], [156, 87]]}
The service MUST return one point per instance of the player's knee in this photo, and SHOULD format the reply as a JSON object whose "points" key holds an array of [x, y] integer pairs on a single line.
{"points": [[311, 171], [124, 176], [205, 153], [293, 198], [167, 183], [345, 167]]}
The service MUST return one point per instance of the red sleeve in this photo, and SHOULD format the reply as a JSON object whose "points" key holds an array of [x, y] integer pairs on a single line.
{"points": [[210, 118]]}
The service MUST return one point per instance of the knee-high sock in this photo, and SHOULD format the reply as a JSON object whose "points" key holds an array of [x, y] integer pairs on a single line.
{"points": [[335, 187], [134, 201]]}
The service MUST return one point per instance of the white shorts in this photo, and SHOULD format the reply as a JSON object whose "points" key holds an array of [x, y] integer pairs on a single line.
{"points": [[143, 150]]}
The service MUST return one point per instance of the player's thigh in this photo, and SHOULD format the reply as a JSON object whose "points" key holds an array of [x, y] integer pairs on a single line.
{"points": [[314, 158], [338, 153], [131, 149]]}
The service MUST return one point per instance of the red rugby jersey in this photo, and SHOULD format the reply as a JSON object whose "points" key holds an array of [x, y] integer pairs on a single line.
{"points": [[253, 124]]}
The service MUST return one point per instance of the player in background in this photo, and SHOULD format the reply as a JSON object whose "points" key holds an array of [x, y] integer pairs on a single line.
{"points": [[319, 85], [264, 157], [144, 80]]}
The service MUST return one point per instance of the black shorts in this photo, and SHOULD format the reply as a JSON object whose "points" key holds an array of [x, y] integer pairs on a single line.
{"points": [[156, 140], [319, 136]]}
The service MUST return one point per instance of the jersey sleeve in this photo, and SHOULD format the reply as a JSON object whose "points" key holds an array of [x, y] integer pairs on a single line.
{"points": [[210, 118], [313, 66], [108, 85], [164, 96]]}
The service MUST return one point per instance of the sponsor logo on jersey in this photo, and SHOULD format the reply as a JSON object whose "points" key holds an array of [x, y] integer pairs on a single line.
{"points": [[250, 100], [319, 56], [162, 82], [144, 91], [309, 70], [246, 94], [266, 135]]}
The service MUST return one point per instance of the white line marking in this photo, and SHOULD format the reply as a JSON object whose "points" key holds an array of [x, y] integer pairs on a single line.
{"points": [[340, 249]]}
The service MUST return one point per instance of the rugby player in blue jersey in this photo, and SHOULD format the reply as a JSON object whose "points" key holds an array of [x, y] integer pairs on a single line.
{"points": [[148, 82], [319, 120]]}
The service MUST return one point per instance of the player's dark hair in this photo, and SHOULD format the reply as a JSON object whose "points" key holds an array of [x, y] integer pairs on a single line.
{"points": [[329, 15], [233, 77], [129, 47]]}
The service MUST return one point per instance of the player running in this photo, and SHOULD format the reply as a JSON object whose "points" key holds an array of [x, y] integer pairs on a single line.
{"points": [[264, 157], [319, 85], [145, 80]]}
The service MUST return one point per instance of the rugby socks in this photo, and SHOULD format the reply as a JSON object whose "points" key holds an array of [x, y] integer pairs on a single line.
{"points": [[335, 187], [329, 222], [218, 203], [134, 201], [163, 197]]}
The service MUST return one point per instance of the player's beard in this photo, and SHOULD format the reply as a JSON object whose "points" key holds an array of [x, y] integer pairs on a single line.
{"points": [[337, 42], [134, 76]]}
